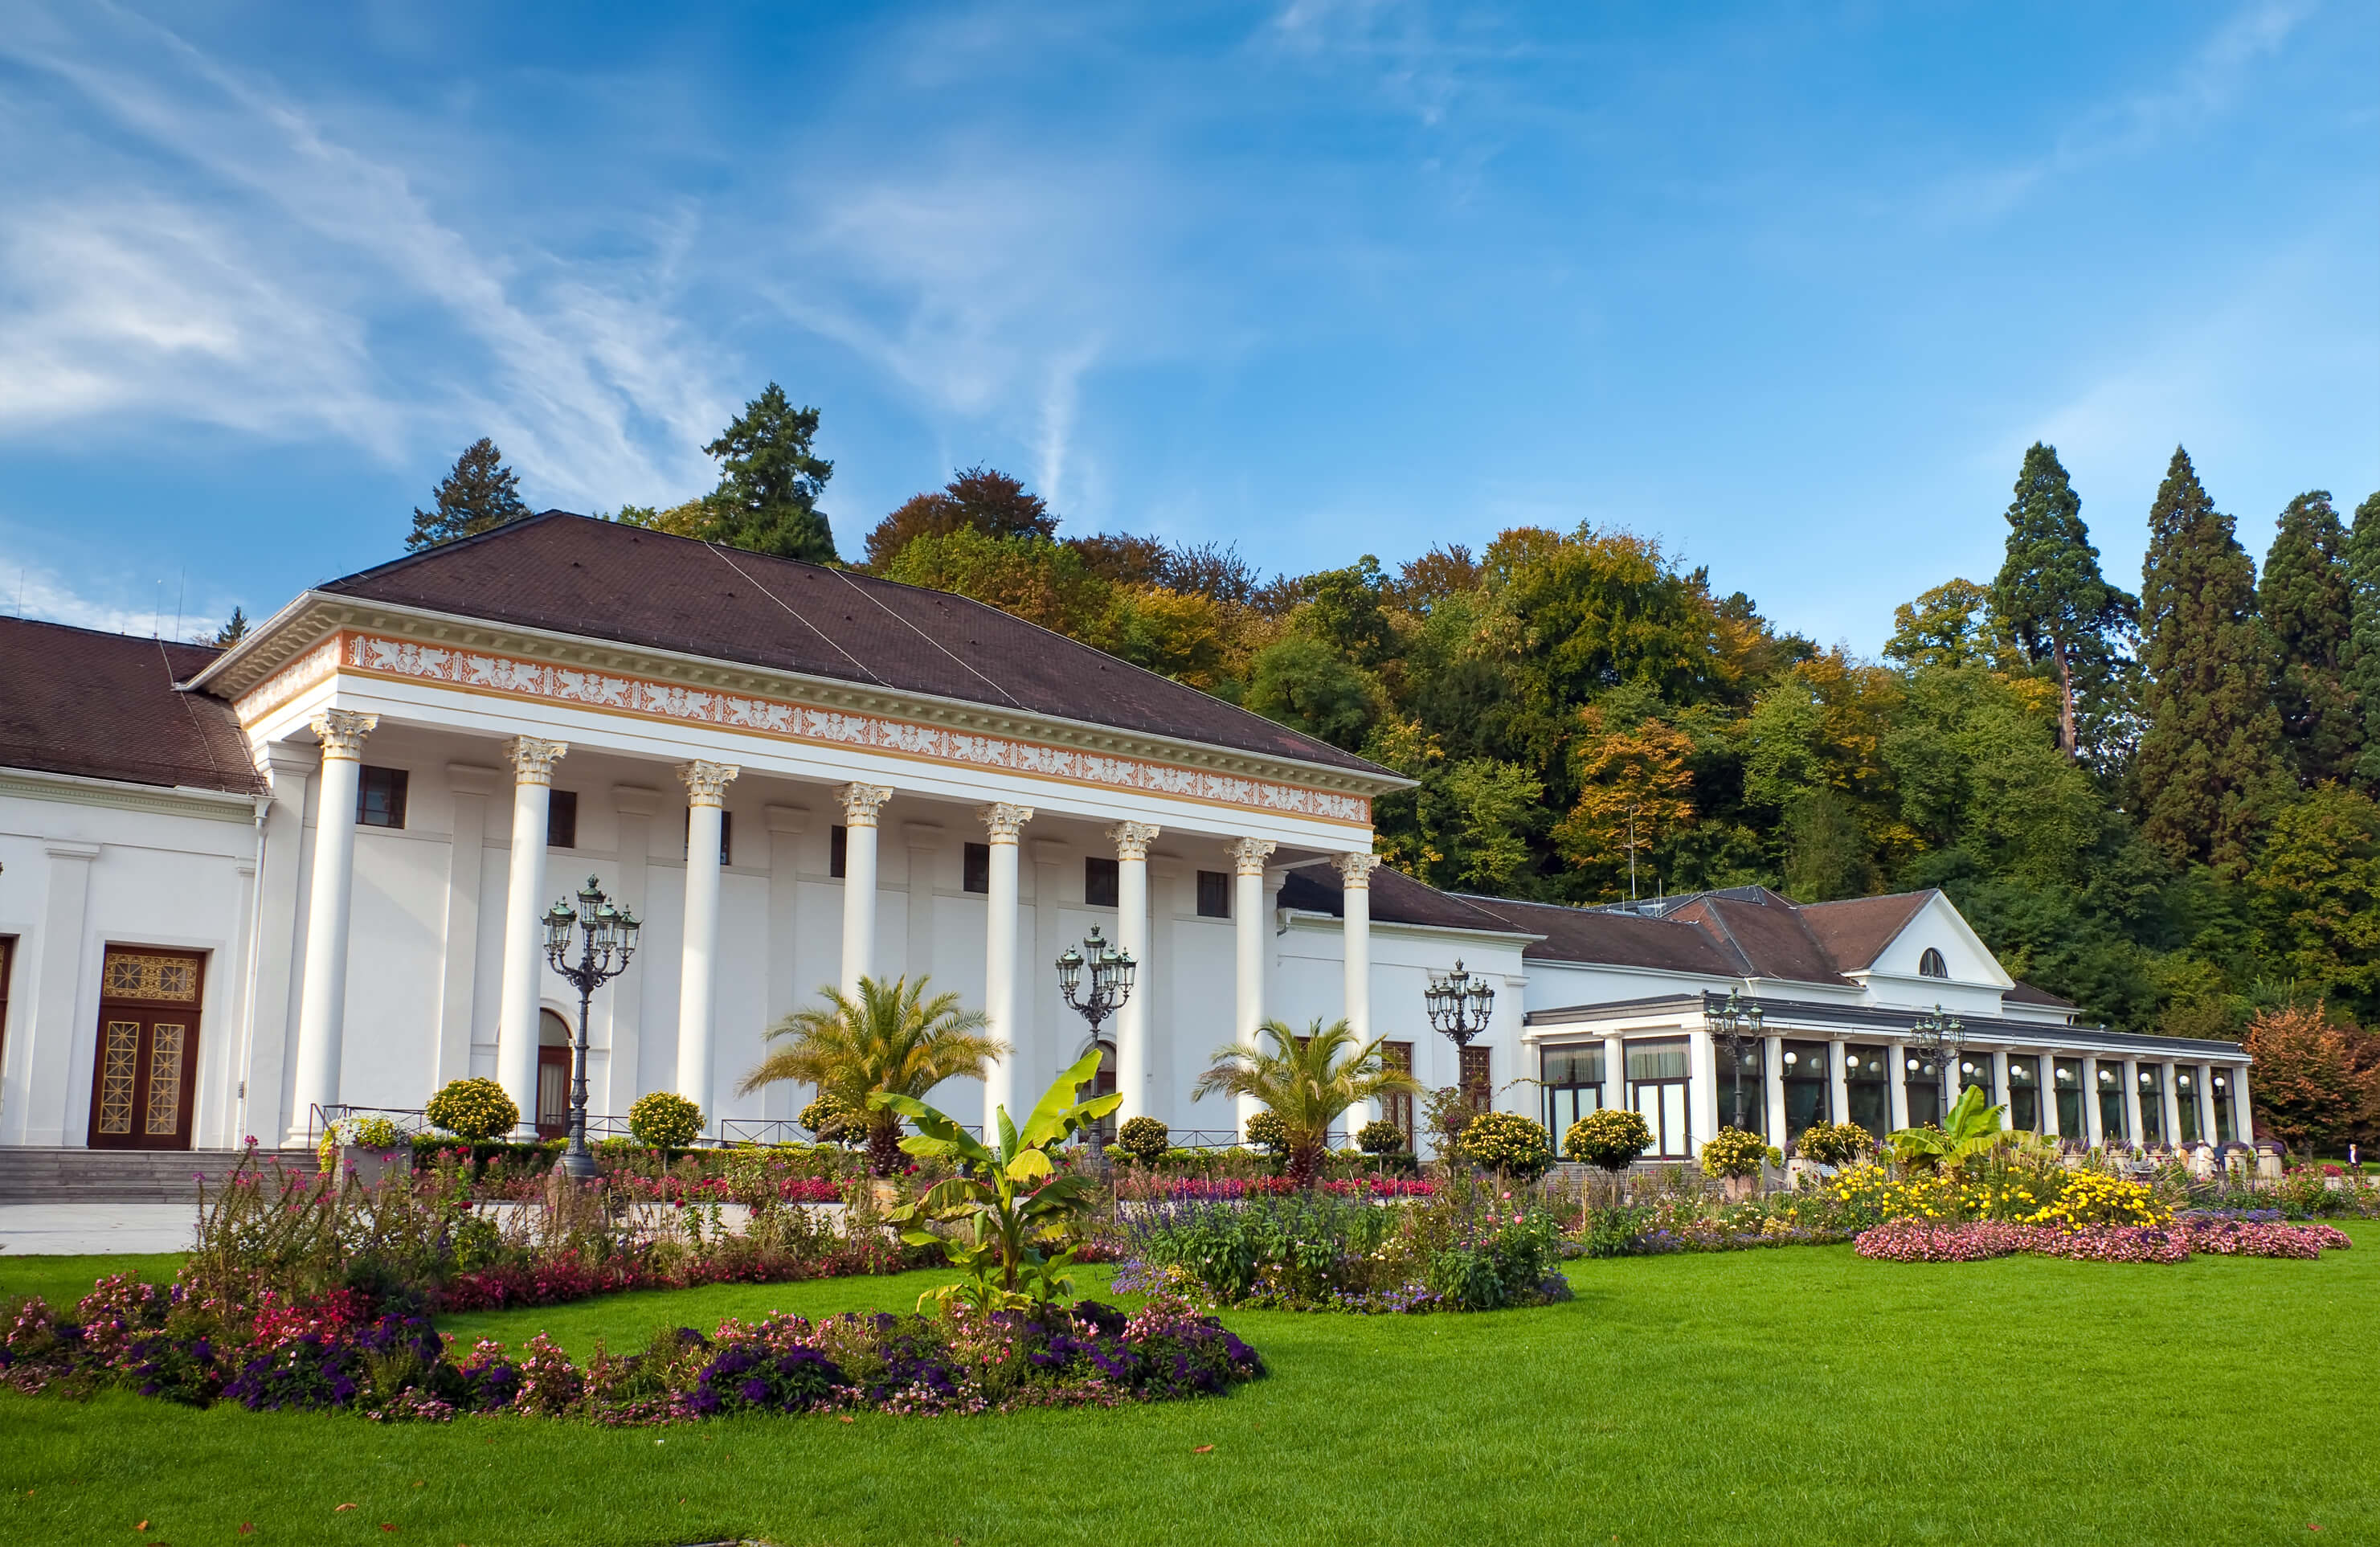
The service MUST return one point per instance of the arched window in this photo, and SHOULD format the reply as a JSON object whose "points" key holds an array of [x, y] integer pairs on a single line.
{"points": [[1930, 964]]}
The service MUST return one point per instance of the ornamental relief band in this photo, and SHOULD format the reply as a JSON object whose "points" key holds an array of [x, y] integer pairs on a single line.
{"points": [[129, 975], [1003, 821], [482, 671]]}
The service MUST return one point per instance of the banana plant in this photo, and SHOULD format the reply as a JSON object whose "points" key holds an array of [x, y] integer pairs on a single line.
{"points": [[1012, 1209], [1970, 1128]]}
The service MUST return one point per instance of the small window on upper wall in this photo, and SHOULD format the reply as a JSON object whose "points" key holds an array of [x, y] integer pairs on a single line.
{"points": [[1100, 883], [975, 868], [1214, 895], [562, 819], [838, 851], [380, 796], [1930, 964]]}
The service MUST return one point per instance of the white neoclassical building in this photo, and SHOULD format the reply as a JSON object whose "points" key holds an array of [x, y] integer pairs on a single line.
{"points": [[239, 891]]}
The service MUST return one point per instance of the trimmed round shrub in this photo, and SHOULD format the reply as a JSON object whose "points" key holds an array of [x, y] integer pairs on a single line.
{"points": [[829, 1121], [1833, 1143], [1144, 1140], [665, 1120], [1733, 1153], [474, 1109], [1508, 1143], [1609, 1139], [1380, 1137], [1267, 1131]]}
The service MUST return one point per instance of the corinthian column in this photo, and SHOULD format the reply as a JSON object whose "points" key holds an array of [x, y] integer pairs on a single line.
{"points": [[524, 971], [1132, 840], [1002, 824], [322, 1001], [1355, 948], [860, 804], [706, 790], [1248, 930]]}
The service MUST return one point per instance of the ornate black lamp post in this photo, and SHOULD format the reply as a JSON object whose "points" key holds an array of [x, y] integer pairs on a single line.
{"points": [[1937, 1037], [1732, 1025], [610, 940], [1111, 973], [1460, 1004]]}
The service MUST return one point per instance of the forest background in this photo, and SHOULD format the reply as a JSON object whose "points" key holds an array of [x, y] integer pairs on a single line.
{"points": [[2163, 805]]}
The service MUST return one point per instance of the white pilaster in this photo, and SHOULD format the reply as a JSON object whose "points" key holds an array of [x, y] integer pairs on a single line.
{"points": [[280, 906], [2132, 1132], [2093, 1124], [1703, 1092], [1772, 1081], [788, 826], [2172, 1107], [322, 1001], [1897, 1090], [633, 808], [706, 793], [2243, 1112], [2001, 1083], [2046, 1076], [468, 785], [524, 903], [1003, 823], [1615, 1076], [1838, 1084], [1251, 929], [41, 1055], [2206, 1100], [860, 805], [1132, 840], [925, 844]]}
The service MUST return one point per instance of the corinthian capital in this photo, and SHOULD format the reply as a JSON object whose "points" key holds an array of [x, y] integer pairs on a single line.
{"points": [[1249, 855], [342, 732], [1132, 838], [1355, 870], [861, 802], [706, 783], [1004, 822], [533, 758]]}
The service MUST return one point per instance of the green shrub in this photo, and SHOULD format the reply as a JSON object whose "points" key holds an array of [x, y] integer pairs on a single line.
{"points": [[1380, 1137], [1833, 1143], [1508, 1143], [1609, 1139], [1144, 1140], [829, 1121], [665, 1119], [1733, 1153], [474, 1109], [1268, 1132]]}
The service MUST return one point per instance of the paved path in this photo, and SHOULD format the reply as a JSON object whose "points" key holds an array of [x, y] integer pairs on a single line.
{"points": [[33, 1229]]}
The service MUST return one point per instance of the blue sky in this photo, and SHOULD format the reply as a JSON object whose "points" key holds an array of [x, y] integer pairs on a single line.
{"points": [[1790, 286]]}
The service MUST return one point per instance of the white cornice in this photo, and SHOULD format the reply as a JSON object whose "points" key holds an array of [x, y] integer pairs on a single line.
{"points": [[211, 805], [317, 615]]}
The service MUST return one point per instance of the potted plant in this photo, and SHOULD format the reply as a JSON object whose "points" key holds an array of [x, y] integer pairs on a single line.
{"points": [[366, 1148], [1734, 1157]]}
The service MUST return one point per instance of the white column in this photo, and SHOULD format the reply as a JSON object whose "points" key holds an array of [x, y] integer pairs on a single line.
{"points": [[706, 794], [2206, 1100], [322, 1001], [1897, 1088], [2094, 1125], [1251, 929], [1705, 1091], [1132, 840], [1838, 1083], [279, 903], [2046, 1076], [2172, 1109], [925, 841], [1772, 1080], [525, 904], [2000, 1082], [469, 785], [1356, 949], [860, 804], [1615, 1075], [1003, 823], [2133, 1101], [2243, 1112]]}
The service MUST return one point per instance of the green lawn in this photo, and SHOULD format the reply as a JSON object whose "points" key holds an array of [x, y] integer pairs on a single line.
{"points": [[1795, 1395]]}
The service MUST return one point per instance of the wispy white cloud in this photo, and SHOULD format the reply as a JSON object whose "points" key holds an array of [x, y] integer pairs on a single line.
{"points": [[120, 603]]}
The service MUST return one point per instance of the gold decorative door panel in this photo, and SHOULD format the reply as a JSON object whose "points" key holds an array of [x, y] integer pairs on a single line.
{"points": [[144, 1071]]}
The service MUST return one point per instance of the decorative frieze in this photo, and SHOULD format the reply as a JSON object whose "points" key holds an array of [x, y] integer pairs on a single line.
{"points": [[706, 783], [1249, 856], [516, 676], [1004, 822], [343, 731], [1132, 838], [533, 758]]}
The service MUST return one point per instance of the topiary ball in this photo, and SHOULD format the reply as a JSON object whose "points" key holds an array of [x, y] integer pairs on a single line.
{"points": [[1267, 1131], [1833, 1143], [474, 1109], [1144, 1140], [1609, 1139], [1735, 1153], [1508, 1143], [829, 1121], [665, 1120], [1380, 1138]]}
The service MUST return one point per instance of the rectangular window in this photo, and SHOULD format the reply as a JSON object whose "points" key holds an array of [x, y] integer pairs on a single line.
{"points": [[1397, 1109], [1573, 1085], [1867, 1082], [726, 834], [1743, 1088], [1976, 1069], [2185, 1090], [380, 796], [1477, 1087], [1657, 1088], [975, 868], [2221, 1091], [2024, 1094], [2066, 1077], [838, 851], [1101, 885], [2152, 1104], [562, 819], [1923, 1078], [1809, 1086], [2111, 1104], [1214, 895]]}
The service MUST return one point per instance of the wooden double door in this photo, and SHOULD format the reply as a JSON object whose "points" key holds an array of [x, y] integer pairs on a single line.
{"points": [[146, 1068]]}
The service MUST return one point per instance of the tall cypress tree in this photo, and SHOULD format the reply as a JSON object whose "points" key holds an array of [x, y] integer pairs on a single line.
{"points": [[2304, 597], [2050, 593], [480, 493], [2209, 762], [2362, 665]]}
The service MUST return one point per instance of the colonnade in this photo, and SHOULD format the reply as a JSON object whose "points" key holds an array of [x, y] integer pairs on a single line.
{"points": [[321, 1016]]}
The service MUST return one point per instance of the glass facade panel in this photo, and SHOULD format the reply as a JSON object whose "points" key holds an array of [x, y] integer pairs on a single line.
{"points": [[1976, 1069], [1743, 1089], [2024, 1094], [1923, 1077], [1573, 1085], [2066, 1076], [2186, 1096], [1867, 1082], [1809, 1086], [2221, 1092], [2152, 1080], [1657, 1088], [2111, 1104]]}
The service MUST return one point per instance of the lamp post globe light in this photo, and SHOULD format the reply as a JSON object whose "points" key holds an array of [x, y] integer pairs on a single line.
{"points": [[1460, 1006], [1733, 1026], [1111, 973], [1936, 1037], [607, 939]]}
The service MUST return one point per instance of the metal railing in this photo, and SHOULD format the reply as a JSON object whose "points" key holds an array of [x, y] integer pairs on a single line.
{"points": [[414, 1121]]}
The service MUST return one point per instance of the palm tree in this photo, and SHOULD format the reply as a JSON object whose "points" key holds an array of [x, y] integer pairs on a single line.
{"points": [[1305, 1082], [888, 1037]]}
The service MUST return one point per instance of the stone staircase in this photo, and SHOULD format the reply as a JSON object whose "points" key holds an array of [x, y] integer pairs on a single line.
{"points": [[62, 1175]]}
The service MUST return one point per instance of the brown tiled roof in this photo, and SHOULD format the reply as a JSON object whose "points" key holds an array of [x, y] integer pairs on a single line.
{"points": [[1397, 898], [2025, 994], [1766, 931], [1615, 939], [599, 579], [1855, 931], [103, 706]]}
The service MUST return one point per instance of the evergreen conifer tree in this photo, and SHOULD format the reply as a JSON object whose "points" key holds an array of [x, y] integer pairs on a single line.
{"points": [[2304, 597], [2209, 763], [2050, 593], [479, 495], [769, 485], [2362, 663]]}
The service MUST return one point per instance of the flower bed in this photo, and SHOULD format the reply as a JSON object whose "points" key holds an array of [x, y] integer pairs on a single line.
{"points": [[1907, 1240], [1205, 1189], [337, 1353]]}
